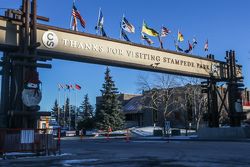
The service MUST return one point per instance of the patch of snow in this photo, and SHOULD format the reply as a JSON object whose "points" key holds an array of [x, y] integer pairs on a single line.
{"points": [[77, 161], [145, 131], [19, 153]]}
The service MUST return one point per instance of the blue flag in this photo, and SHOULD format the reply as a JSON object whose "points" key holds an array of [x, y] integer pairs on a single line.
{"points": [[124, 35]]}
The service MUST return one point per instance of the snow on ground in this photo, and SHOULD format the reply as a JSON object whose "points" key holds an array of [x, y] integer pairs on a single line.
{"points": [[148, 131], [144, 131], [19, 153], [77, 161]]}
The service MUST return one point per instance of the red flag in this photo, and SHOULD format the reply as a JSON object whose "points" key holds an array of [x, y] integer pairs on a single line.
{"points": [[78, 87]]}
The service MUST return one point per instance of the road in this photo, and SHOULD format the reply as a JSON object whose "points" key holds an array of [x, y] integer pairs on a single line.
{"points": [[142, 154]]}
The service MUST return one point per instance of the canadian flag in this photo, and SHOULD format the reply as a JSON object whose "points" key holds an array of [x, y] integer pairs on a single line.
{"points": [[78, 87]]}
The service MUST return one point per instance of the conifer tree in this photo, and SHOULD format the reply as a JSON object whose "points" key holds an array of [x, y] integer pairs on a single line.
{"points": [[108, 112], [86, 108], [66, 113], [56, 112], [88, 121]]}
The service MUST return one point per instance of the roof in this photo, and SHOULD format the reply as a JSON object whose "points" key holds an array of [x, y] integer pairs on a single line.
{"points": [[133, 106]]}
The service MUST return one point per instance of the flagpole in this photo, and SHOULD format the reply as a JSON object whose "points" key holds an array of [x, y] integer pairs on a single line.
{"points": [[76, 114], [98, 21], [69, 109], [71, 17], [142, 32], [58, 109], [161, 42], [64, 113], [178, 37], [121, 27]]}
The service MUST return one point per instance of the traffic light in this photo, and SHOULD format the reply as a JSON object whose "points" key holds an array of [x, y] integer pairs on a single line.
{"points": [[204, 87]]}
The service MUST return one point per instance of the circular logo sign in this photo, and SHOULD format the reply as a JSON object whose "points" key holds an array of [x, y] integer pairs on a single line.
{"points": [[50, 39], [31, 97]]}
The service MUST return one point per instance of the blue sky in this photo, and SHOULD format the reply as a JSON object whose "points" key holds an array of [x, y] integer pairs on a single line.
{"points": [[223, 22]]}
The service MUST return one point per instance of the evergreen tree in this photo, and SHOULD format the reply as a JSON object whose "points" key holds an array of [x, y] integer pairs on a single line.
{"points": [[72, 116], [88, 121], [86, 108], [66, 113], [55, 110], [109, 113]]}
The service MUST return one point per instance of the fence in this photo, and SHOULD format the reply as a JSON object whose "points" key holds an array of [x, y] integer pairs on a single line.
{"points": [[40, 141]]}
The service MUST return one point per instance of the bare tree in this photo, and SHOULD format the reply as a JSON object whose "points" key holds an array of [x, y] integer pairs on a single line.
{"points": [[159, 95], [198, 101]]}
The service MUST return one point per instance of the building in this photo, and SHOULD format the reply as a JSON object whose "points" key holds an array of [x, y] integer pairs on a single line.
{"points": [[186, 106], [139, 110]]}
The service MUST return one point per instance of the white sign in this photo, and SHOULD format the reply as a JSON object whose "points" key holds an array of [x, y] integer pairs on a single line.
{"points": [[100, 50], [27, 136], [50, 39]]}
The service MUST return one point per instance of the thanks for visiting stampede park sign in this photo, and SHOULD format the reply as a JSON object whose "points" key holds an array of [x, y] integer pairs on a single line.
{"points": [[69, 45], [107, 51]]}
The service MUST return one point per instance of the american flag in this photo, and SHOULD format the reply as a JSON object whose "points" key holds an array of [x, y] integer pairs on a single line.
{"points": [[76, 15]]}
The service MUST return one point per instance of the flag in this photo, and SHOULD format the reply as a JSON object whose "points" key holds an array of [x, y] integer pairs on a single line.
{"points": [[149, 31], [74, 24], [76, 15], [100, 21], [71, 87], [144, 37], [194, 42], [78, 87], [164, 31], [206, 46], [67, 86], [103, 33], [60, 86], [124, 35], [178, 49], [180, 37], [127, 26], [190, 48]]}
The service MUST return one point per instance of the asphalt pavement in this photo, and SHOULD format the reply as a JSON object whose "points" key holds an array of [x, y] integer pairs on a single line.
{"points": [[142, 153]]}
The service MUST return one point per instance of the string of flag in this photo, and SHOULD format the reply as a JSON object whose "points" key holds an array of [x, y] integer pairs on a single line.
{"points": [[127, 28], [69, 87]]}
